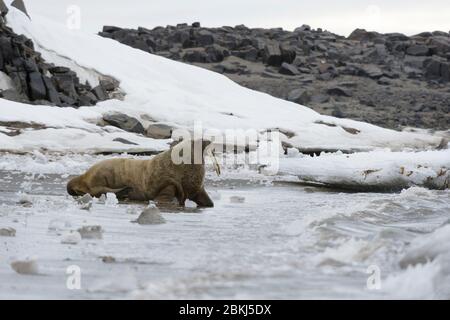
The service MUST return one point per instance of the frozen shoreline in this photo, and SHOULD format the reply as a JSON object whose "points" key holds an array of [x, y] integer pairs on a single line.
{"points": [[285, 241]]}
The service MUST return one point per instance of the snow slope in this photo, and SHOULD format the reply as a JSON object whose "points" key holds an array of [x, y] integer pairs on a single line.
{"points": [[170, 92]]}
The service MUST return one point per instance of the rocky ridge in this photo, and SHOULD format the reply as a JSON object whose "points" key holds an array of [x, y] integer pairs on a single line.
{"points": [[390, 80], [26, 77]]}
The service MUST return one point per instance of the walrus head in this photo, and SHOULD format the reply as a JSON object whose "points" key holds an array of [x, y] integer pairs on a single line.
{"points": [[190, 151], [73, 187]]}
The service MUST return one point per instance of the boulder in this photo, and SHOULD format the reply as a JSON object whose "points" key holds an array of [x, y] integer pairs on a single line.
{"points": [[111, 29], [363, 35], [159, 131], [19, 4], [441, 44], [3, 9], [288, 54], [37, 87], [303, 28], [124, 122], [418, 50], [288, 69], [65, 83], [384, 81], [100, 93], [437, 69], [396, 36], [339, 91], [371, 71], [272, 54], [205, 38], [215, 53], [52, 94]]}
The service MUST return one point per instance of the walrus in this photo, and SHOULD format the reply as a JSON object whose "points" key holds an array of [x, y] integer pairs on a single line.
{"points": [[160, 179]]}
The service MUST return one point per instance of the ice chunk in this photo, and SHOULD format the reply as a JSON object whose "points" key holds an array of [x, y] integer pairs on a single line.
{"points": [[237, 199], [72, 237], [7, 232], [91, 232], [85, 202], [27, 266], [111, 200], [150, 216]]}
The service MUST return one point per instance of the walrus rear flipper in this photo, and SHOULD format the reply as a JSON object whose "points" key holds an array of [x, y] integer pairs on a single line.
{"points": [[203, 200]]}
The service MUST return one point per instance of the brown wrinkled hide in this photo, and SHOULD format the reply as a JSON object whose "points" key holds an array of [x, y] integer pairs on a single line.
{"points": [[158, 179]]}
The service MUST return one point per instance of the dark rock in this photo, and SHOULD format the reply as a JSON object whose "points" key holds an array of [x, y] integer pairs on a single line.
{"points": [[441, 44], [111, 29], [396, 36], [124, 122], [339, 91], [3, 9], [303, 28], [215, 53], [205, 38], [109, 84], [19, 4], [66, 101], [288, 54], [159, 131], [272, 54], [52, 94], [196, 25], [100, 93], [288, 69], [300, 96], [65, 83], [418, 50], [370, 71], [13, 95], [125, 141], [58, 69], [87, 99], [37, 86], [363, 35], [384, 81], [437, 69]]}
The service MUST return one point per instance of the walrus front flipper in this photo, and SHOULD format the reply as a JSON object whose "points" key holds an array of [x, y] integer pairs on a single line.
{"points": [[167, 195], [203, 200], [98, 191]]}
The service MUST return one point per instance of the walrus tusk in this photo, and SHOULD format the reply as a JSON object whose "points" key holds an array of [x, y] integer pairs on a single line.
{"points": [[215, 162]]}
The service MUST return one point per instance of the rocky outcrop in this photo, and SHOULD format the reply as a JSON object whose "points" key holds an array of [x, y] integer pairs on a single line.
{"points": [[390, 80], [38, 82]]}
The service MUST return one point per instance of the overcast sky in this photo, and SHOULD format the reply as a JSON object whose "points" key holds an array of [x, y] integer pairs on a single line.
{"points": [[338, 16]]}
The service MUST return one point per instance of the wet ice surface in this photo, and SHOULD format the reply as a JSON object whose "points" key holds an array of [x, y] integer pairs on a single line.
{"points": [[262, 240]]}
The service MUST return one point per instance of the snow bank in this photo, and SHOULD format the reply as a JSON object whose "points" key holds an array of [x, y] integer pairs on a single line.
{"points": [[379, 169], [172, 92]]}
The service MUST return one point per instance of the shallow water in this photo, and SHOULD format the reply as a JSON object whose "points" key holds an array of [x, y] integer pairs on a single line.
{"points": [[277, 240]]}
